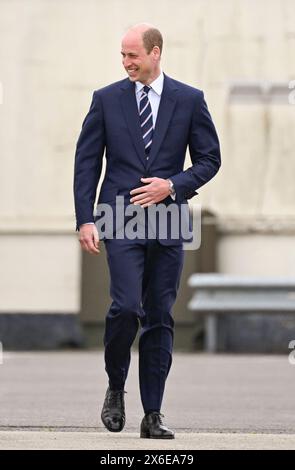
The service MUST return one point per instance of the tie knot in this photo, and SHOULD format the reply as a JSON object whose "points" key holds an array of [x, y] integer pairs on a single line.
{"points": [[146, 89]]}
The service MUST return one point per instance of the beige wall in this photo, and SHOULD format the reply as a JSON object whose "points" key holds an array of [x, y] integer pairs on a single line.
{"points": [[39, 273], [53, 54]]}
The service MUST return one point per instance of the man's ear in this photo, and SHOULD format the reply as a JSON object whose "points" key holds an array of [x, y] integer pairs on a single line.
{"points": [[156, 51]]}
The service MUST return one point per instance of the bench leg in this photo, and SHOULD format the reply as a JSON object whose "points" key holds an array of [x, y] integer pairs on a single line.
{"points": [[211, 333]]}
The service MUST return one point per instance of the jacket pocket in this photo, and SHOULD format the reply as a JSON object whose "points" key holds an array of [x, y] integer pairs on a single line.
{"points": [[107, 195]]}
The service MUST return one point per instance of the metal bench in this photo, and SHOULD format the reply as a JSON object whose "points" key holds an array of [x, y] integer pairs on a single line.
{"points": [[222, 293]]}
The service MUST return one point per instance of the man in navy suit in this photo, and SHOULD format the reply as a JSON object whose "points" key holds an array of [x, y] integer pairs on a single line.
{"points": [[143, 124]]}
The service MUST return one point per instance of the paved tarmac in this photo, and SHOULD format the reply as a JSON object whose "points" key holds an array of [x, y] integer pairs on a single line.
{"points": [[52, 400]]}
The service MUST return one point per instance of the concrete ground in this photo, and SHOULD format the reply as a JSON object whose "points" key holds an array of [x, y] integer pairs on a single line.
{"points": [[52, 400]]}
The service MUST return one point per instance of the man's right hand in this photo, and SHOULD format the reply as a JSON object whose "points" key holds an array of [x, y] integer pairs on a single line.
{"points": [[89, 239]]}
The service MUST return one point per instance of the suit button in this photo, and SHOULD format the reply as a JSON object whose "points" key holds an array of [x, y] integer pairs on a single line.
{"points": [[147, 158]]}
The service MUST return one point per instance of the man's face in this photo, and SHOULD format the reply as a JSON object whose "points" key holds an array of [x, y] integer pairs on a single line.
{"points": [[139, 65]]}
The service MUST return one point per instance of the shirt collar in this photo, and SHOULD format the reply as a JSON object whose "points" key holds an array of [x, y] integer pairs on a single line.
{"points": [[156, 85]]}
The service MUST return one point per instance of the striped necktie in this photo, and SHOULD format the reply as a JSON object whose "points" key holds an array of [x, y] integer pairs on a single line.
{"points": [[146, 119]]}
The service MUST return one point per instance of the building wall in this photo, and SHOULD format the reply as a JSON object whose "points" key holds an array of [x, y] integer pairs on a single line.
{"points": [[53, 54]]}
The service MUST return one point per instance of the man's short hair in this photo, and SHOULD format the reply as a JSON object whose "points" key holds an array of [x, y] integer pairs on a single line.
{"points": [[151, 38]]}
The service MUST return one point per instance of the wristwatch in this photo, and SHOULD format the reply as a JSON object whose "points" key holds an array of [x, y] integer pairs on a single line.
{"points": [[171, 188]]}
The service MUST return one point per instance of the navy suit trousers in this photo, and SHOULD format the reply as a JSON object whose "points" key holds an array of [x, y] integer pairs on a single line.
{"points": [[145, 276]]}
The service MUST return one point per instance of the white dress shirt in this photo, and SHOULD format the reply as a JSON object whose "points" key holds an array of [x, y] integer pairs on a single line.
{"points": [[154, 94]]}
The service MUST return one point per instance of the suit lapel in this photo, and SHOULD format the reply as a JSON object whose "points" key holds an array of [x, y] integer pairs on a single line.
{"points": [[130, 111], [165, 111]]}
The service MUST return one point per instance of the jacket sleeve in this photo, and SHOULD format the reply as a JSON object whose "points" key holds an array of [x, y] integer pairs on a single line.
{"points": [[88, 162], [204, 152]]}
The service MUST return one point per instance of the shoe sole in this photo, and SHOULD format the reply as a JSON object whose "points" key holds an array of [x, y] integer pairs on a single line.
{"points": [[147, 436], [110, 429]]}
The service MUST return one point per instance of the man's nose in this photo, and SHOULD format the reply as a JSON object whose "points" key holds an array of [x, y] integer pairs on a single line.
{"points": [[126, 63]]}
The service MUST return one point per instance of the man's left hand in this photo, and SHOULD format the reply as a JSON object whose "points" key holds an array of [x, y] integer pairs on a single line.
{"points": [[156, 190]]}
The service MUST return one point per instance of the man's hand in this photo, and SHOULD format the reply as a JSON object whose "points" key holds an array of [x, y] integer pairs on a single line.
{"points": [[157, 190], [89, 239]]}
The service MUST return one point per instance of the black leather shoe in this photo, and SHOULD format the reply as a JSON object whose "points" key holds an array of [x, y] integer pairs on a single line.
{"points": [[152, 427], [113, 411]]}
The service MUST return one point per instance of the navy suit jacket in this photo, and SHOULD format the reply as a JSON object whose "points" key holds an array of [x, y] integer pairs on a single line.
{"points": [[112, 126]]}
